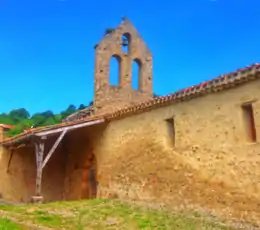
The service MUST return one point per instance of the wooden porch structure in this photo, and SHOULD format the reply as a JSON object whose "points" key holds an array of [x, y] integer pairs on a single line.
{"points": [[38, 140]]}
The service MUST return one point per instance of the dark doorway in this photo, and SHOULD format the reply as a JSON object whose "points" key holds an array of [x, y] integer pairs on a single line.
{"points": [[89, 178]]}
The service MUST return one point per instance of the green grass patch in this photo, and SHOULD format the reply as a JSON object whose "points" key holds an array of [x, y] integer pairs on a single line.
{"points": [[105, 214], [7, 224]]}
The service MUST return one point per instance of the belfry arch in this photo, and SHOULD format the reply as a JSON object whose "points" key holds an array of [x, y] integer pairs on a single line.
{"points": [[115, 70], [126, 45]]}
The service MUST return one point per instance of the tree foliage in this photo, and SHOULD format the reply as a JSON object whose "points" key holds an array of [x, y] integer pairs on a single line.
{"points": [[22, 120]]}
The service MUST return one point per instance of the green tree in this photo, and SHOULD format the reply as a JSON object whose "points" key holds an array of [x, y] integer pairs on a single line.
{"points": [[16, 130], [19, 113], [6, 119], [70, 110], [82, 106], [22, 120]]}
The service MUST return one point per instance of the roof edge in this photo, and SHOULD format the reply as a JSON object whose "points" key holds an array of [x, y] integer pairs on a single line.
{"points": [[223, 82], [46, 130]]}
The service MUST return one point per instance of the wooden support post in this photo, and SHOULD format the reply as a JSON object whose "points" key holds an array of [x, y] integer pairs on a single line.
{"points": [[39, 151], [36, 145], [41, 162], [54, 148], [39, 169]]}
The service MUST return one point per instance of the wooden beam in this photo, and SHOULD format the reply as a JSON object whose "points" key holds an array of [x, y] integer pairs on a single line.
{"points": [[50, 131], [69, 128], [16, 140], [54, 148], [10, 159], [39, 157], [36, 145], [12, 149], [17, 147]]}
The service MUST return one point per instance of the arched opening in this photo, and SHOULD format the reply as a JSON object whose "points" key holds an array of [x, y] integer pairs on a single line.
{"points": [[126, 43], [89, 178], [136, 74], [114, 70]]}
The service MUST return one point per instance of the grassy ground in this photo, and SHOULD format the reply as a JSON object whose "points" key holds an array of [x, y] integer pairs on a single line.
{"points": [[7, 224], [98, 214]]}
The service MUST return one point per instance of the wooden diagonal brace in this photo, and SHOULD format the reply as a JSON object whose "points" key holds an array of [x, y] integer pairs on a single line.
{"points": [[10, 159], [53, 148]]}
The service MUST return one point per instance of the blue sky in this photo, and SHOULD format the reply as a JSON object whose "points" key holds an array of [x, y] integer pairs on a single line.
{"points": [[47, 54]]}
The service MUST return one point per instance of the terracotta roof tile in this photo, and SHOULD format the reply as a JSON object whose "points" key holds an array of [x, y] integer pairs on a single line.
{"points": [[29, 132], [219, 83], [6, 126]]}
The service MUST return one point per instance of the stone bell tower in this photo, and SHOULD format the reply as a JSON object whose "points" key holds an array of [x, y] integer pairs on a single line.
{"points": [[107, 97]]}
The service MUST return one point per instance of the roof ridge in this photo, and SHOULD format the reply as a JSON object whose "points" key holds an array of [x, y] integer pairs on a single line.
{"points": [[221, 82], [225, 81]]}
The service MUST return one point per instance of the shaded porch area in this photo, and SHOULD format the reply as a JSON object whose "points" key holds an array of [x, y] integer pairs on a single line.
{"points": [[55, 164]]}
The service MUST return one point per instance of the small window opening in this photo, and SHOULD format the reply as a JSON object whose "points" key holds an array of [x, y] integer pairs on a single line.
{"points": [[114, 70], [136, 74], [249, 122], [171, 130], [126, 43]]}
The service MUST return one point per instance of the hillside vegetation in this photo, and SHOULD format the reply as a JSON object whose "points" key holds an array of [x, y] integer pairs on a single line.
{"points": [[100, 214], [21, 119]]}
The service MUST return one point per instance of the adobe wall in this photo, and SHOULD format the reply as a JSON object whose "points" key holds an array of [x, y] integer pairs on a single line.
{"points": [[79, 144], [18, 184], [54, 172], [211, 166]]}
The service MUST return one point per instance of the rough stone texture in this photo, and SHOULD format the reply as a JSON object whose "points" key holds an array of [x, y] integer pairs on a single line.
{"points": [[211, 165], [107, 97]]}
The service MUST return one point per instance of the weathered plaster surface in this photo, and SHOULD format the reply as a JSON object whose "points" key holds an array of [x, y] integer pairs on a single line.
{"points": [[211, 165], [79, 145], [18, 184]]}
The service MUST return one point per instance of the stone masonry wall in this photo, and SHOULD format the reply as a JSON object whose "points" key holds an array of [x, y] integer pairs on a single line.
{"points": [[109, 98], [211, 166]]}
